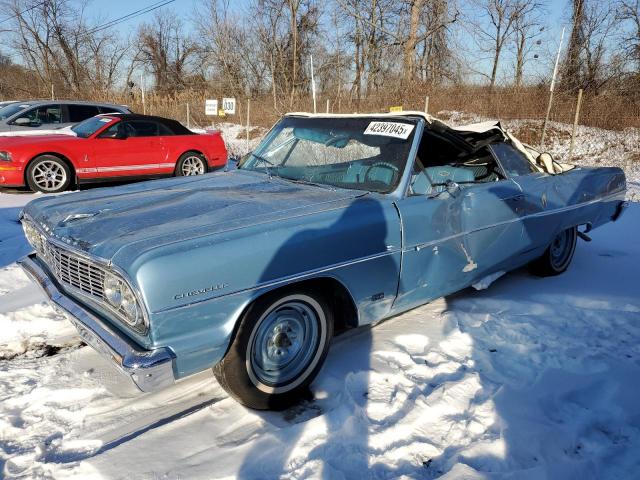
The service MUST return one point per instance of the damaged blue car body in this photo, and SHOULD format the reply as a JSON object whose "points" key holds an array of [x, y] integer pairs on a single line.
{"points": [[377, 214]]}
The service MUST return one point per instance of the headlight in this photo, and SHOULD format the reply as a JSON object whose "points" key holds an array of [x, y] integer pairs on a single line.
{"points": [[33, 237], [5, 156], [122, 299], [113, 288]]}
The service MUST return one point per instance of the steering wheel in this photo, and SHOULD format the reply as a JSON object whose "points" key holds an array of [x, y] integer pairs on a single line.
{"points": [[389, 166], [475, 162]]}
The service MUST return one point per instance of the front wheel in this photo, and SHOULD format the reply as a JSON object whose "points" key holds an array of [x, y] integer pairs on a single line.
{"points": [[190, 164], [48, 174], [558, 256], [279, 348]]}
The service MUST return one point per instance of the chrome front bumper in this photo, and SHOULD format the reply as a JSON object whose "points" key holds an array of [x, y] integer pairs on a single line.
{"points": [[148, 369]]}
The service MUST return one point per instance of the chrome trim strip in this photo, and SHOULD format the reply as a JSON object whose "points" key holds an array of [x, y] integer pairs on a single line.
{"points": [[420, 246], [402, 190], [286, 280], [148, 369], [125, 167], [135, 167]]}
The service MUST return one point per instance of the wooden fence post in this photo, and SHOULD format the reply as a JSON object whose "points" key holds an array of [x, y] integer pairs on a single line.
{"points": [[575, 124]]}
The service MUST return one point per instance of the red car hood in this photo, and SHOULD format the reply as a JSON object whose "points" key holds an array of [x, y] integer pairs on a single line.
{"points": [[9, 142]]}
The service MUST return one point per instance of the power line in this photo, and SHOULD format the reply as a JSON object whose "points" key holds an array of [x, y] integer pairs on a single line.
{"points": [[15, 15], [137, 13], [104, 26]]}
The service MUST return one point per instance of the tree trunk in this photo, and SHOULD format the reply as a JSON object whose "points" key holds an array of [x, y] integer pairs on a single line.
{"points": [[409, 50], [573, 70]]}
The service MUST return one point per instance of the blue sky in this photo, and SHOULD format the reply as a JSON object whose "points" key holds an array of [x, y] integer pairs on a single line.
{"points": [[536, 69]]}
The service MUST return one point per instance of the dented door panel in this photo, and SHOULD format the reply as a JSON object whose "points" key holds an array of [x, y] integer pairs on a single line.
{"points": [[452, 240]]}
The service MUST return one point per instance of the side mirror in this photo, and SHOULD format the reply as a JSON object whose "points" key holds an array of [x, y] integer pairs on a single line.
{"points": [[452, 187], [23, 122], [119, 135]]}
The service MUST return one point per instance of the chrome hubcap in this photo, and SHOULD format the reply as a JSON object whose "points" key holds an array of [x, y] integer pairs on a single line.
{"points": [[192, 166], [285, 343], [561, 248], [49, 175]]}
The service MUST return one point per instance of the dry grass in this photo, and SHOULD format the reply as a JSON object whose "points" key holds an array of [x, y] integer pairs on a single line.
{"points": [[611, 110]]}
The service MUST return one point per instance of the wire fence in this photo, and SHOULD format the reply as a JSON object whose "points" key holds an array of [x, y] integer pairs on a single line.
{"points": [[608, 111], [613, 110]]}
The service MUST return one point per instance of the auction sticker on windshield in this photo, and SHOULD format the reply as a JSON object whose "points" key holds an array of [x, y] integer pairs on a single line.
{"points": [[389, 129]]}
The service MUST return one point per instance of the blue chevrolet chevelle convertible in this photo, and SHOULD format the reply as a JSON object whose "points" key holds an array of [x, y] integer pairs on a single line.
{"points": [[334, 221]]}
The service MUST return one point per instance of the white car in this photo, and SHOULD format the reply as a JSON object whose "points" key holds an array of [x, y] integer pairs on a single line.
{"points": [[51, 115]]}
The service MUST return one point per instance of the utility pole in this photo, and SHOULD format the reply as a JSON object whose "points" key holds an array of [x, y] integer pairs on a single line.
{"points": [[313, 85], [144, 105], [551, 89]]}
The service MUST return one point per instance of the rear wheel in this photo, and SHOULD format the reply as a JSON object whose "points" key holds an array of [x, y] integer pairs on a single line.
{"points": [[48, 174], [279, 348], [190, 164], [557, 258]]}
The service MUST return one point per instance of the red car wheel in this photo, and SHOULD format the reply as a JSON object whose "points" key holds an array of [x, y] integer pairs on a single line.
{"points": [[191, 164], [48, 174]]}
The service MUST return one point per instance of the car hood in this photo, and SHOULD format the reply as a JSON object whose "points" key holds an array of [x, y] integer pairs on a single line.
{"points": [[140, 217], [16, 139]]}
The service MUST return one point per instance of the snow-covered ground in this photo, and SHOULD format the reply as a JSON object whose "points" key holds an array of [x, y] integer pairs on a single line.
{"points": [[529, 379]]}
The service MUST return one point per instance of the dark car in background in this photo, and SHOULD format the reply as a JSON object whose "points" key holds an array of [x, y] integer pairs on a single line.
{"points": [[52, 114]]}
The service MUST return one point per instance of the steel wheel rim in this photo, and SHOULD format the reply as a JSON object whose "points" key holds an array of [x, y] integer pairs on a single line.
{"points": [[192, 165], [285, 343], [49, 175], [561, 249]]}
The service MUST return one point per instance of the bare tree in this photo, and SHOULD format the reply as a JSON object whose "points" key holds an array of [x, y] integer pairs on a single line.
{"points": [[572, 77], [438, 17], [287, 31], [629, 13], [437, 60], [587, 65], [494, 27], [61, 47], [166, 51], [527, 27], [229, 47]]}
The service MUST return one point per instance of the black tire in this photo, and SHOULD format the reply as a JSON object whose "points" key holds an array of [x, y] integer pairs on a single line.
{"points": [[48, 174], [236, 372], [191, 163], [557, 257]]}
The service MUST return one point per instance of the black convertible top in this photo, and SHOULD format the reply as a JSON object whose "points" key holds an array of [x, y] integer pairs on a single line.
{"points": [[176, 127]]}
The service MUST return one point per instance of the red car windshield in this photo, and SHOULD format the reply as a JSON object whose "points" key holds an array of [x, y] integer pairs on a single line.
{"points": [[90, 126]]}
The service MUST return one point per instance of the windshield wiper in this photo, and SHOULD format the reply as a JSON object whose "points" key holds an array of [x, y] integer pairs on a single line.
{"points": [[267, 163], [304, 181]]}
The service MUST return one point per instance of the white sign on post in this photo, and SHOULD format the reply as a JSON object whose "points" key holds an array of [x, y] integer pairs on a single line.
{"points": [[229, 105], [211, 107]]}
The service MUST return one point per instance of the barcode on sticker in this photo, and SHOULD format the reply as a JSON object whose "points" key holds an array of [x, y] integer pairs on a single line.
{"points": [[389, 129]]}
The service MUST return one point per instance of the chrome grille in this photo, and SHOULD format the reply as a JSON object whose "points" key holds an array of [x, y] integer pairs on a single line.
{"points": [[73, 270]]}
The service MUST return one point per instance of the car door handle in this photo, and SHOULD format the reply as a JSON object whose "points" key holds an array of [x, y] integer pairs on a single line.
{"points": [[518, 198]]}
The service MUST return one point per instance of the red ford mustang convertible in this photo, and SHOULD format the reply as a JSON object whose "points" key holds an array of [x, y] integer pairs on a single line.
{"points": [[108, 147]]}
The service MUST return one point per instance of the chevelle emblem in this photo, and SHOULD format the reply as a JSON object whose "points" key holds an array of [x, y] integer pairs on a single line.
{"points": [[201, 291]]}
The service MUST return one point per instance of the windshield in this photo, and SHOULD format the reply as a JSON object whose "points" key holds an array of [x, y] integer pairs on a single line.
{"points": [[11, 109], [357, 153], [90, 126]]}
